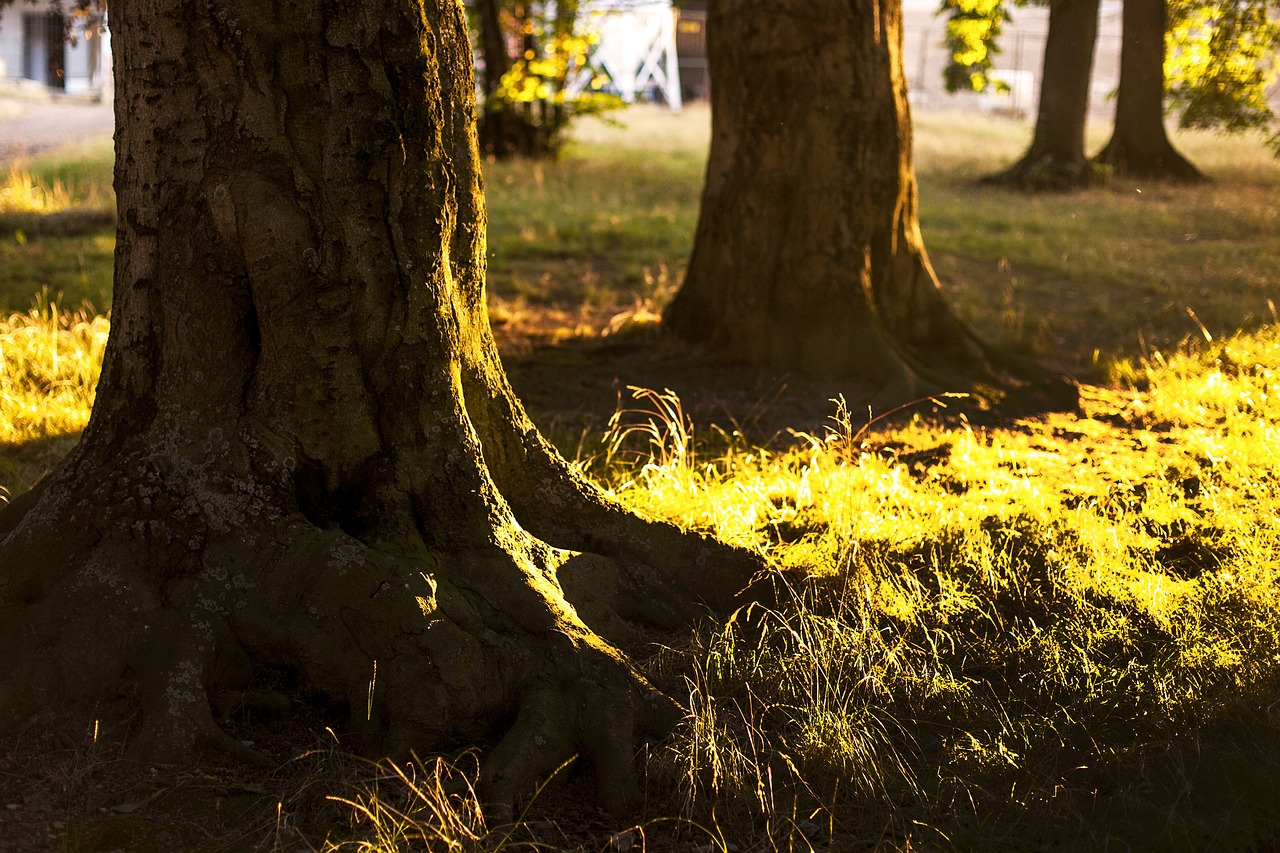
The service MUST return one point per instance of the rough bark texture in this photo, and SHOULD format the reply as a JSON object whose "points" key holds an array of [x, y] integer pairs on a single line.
{"points": [[1056, 159], [305, 454], [1140, 146], [808, 255]]}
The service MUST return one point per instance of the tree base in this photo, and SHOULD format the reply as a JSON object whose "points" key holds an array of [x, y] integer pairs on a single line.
{"points": [[348, 490], [171, 605], [1158, 161], [1036, 173]]}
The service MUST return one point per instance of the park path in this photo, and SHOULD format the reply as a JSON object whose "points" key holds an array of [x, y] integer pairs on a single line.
{"points": [[32, 127]]}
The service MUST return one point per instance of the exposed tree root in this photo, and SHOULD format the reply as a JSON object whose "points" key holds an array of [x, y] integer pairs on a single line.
{"points": [[424, 647], [1153, 160], [1045, 172]]}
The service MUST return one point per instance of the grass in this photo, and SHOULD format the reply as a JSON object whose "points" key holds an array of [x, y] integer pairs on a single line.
{"points": [[1091, 281], [604, 230], [1126, 267], [57, 229], [1062, 632], [1056, 632], [49, 363]]}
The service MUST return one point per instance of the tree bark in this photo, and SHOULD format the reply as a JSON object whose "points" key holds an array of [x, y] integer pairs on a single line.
{"points": [[1056, 159], [305, 453], [1140, 146], [808, 255]]}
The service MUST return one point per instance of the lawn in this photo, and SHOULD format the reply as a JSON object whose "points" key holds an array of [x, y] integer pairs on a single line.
{"points": [[997, 634]]}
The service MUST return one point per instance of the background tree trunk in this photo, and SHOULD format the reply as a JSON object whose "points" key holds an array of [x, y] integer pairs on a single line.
{"points": [[808, 254], [1056, 159], [493, 44], [500, 135], [305, 455], [505, 129], [1140, 146]]}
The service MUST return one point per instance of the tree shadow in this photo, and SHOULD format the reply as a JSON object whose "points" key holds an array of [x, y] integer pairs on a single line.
{"points": [[23, 464], [72, 222]]}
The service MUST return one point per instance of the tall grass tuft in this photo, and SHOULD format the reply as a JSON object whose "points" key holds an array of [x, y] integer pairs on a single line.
{"points": [[426, 806], [50, 186], [22, 192]]}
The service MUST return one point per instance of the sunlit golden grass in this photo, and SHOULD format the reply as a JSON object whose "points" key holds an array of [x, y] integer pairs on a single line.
{"points": [[24, 191], [986, 627], [1001, 623], [431, 806], [49, 363], [57, 228]]}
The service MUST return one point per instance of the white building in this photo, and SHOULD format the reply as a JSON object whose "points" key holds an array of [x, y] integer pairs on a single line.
{"points": [[636, 50], [39, 49]]}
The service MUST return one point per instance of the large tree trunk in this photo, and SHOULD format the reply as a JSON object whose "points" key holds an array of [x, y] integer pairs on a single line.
{"points": [[808, 255], [1056, 159], [305, 454], [1140, 146]]}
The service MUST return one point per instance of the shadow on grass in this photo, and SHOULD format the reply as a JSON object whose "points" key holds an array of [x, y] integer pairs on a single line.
{"points": [[23, 464], [74, 222], [68, 255]]}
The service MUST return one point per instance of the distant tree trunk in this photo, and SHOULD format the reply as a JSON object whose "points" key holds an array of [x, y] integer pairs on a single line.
{"points": [[808, 254], [305, 455], [493, 45], [504, 131], [494, 136], [1140, 146], [1056, 159]]}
